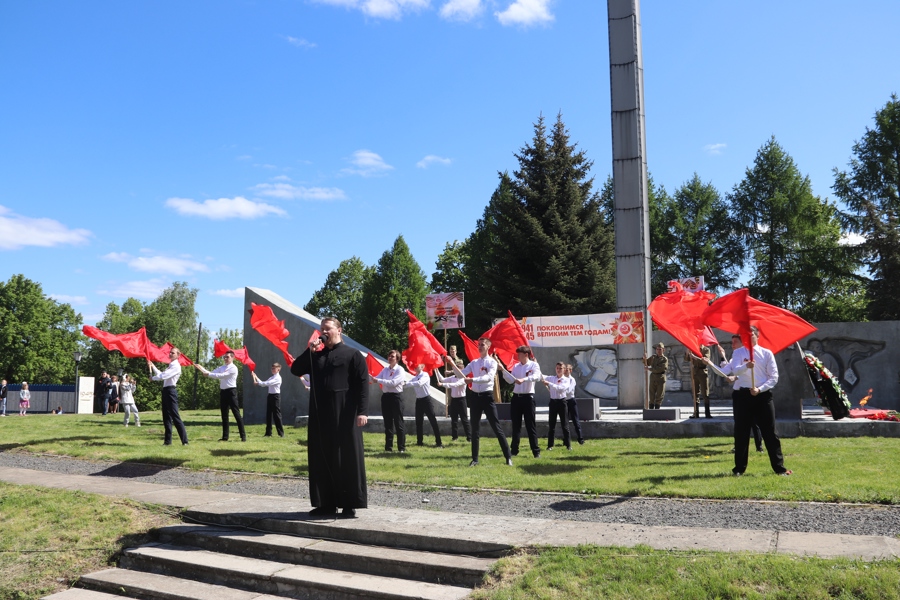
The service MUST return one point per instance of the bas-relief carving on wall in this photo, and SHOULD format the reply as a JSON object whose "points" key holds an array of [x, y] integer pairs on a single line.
{"points": [[840, 356]]}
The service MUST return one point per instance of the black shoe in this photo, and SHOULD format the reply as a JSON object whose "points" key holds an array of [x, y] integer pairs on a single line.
{"points": [[167, 443], [468, 439], [515, 453], [438, 445], [223, 439], [420, 443], [388, 449], [581, 442], [695, 416], [281, 435], [184, 443], [537, 454], [709, 415], [402, 451], [267, 435], [474, 463], [759, 449], [323, 511], [569, 448], [736, 473], [348, 513], [549, 447], [244, 439]]}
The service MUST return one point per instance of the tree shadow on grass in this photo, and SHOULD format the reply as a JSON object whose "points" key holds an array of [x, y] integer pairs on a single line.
{"points": [[5, 447], [692, 453], [662, 479], [224, 452], [551, 468]]}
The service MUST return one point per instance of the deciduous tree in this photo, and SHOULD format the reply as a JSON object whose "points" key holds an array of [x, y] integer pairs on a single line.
{"points": [[341, 296]]}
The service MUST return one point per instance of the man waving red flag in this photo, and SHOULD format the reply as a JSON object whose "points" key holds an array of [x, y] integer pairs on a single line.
{"points": [[424, 349]]}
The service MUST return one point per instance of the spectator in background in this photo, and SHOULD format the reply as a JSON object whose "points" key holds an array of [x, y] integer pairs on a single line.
{"points": [[102, 390], [114, 395], [3, 398], [24, 399], [126, 399]]}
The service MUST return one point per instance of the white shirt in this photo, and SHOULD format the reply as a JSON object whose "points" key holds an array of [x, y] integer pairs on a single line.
{"points": [[456, 385], [227, 376], [273, 383], [570, 393], [559, 386], [126, 393], [482, 371], [420, 384], [530, 372], [391, 379], [765, 371], [170, 376]]}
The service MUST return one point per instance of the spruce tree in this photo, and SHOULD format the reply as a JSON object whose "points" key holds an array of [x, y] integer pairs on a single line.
{"points": [[396, 285], [542, 246]]}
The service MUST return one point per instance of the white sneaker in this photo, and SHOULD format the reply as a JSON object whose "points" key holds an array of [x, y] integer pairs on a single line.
{"points": [[138, 423]]}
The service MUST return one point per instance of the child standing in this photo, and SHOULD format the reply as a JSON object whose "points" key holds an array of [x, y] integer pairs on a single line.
{"points": [[24, 399], [126, 399]]}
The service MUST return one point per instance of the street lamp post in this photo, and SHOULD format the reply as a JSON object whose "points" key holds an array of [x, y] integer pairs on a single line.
{"points": [[77, 356]]}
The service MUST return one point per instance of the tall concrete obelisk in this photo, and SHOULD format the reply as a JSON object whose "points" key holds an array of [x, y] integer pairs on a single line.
{"points": [[626, 75]]}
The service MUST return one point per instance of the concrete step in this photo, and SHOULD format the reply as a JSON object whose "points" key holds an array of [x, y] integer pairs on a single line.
{"points": [[81, 594], [284, 579], [356, 531], [448, 569], [139, 584]]}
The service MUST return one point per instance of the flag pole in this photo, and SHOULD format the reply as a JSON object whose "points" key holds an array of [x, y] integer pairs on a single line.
{"points": [[446, 390]]}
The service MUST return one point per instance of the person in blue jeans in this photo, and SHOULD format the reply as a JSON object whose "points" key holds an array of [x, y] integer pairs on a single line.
{"points": [[3, 398]]}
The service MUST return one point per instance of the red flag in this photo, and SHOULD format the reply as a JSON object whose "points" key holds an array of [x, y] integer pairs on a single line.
{"points": [[424, 349], [131, 345], [220, 348], [469, 347], [373, 365], [679, 314], [157, 354], [263, 321], [735, 312], [506, 336]]}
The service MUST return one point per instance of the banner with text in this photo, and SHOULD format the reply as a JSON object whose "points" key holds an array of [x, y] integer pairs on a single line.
{"points": [[445, 311], [585, 330]]}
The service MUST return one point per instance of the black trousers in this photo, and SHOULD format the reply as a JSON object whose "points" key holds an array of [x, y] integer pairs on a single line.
{"points": [[522, 407], [425, 409], [759, 409], [572, 405], [170, 415], [559, 408], [392, 411], [483, 403], [228, 400], [459, 411], [273, 413]]}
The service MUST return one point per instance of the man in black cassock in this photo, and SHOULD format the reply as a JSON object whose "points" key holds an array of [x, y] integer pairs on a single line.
{"points": [[338, 402]]}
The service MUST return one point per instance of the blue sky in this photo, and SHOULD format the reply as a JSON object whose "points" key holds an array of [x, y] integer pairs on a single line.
{"points": [[324, 129]]}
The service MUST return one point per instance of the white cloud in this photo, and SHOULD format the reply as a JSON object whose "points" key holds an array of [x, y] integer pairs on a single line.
{"points": [[265, 166], [149, 290], [526, 13], [17, 231], [299, 42], [286, 191], [69, 299], [158, 264], [223, 208], [714, 149], [235, 293], [432, 159], [244, 157], [167, 265], [852, 239], [281, 178], [461, 10], [381, 9], [367, 164]]}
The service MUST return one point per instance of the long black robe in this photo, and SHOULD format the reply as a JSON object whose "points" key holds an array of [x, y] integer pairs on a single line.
{"points": [[338, 394]]}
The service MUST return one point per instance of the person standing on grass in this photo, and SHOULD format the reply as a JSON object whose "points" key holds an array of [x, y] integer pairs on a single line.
{"points": [[480, 373], [420, 384], [170, 414], [458, 409], [103, 390], [24, 399], [338, 401], [3, 398], [273, 399], [227, 375], [572, 405], [558, 385], [755, 375], [524, 374], [114, 395], [391, 381], [735, 344], [126, 398]]}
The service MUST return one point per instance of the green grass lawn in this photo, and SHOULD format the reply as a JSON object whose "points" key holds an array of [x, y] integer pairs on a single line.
{"points": [[49, 538], [590, 572], [825, 469]]}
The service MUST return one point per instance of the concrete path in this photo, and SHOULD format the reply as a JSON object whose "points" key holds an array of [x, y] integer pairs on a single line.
{"points": [[502, 533]]}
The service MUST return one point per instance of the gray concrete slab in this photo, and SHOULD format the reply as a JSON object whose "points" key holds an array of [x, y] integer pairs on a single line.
{"points": [[143, 584], [450, 528], [80, 594]]}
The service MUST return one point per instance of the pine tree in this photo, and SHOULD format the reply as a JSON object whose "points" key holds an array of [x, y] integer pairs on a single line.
{"points": [[542, 246], [871, 191], [396, 285], [791, 239]]}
